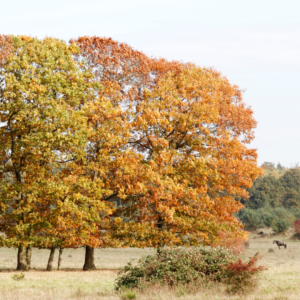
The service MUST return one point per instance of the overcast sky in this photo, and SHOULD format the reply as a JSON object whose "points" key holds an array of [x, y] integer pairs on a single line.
{"points": [[255, 43]]}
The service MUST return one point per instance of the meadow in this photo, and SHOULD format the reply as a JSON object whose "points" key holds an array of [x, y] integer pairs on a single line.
{"points": [[281, 280]]}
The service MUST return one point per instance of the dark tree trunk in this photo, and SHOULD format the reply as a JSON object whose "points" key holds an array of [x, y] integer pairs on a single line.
{"points": [[50, 260], [28, 257], [89, 263], [59, 257], [162, 225], [22, 263]]}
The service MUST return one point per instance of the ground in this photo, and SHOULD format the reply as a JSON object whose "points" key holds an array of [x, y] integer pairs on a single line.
{"points": [[281, 281]]}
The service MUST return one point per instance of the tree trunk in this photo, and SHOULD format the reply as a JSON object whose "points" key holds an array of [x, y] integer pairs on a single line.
{"points": [[50, 260], [22, 263], [59, 257], [89, 263], [162, 225], [28, 257]]}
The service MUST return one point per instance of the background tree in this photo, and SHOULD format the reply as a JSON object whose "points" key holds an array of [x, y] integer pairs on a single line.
{"points": [[265, 191], [282, 191], [271, 170], [291, 179], [279, 218]]}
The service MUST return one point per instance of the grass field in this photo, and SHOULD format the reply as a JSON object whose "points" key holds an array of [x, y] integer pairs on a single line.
{"points": [[281, 281]]}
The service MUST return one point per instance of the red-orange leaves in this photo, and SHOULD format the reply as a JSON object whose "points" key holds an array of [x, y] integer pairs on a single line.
{"points": [[180, 161], [192, 127], [6, 47], [116, 65]]}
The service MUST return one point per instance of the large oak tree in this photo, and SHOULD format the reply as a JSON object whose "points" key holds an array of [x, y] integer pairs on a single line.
{"points": [[186, 158]]}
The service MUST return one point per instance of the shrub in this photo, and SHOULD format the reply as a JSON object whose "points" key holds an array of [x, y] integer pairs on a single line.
{"points": [[172, 267], [240, 276], [279, 218], [283, 213], [128, 294], [295, 211], [181, 267], [268, 216], [297, 226], [251, 218], [280, 225], [18, 277]]}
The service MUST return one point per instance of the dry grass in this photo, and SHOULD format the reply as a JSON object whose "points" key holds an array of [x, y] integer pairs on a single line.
{"points": [[73, 259], [279, 282], [58, 285]]}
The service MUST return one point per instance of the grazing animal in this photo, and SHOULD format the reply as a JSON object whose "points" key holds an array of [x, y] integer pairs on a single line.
{"points": [[279, 244]]}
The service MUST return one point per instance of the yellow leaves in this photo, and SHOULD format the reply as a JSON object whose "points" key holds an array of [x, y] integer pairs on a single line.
{"points": [[170, 128], [48, 126], [37, 88], [25, 38], [74, 49]]}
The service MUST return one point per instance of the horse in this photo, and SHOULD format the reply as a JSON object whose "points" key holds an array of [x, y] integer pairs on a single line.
{"points": [[280, 244]]}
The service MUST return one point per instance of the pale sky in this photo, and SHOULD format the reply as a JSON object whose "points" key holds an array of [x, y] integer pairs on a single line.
{"points": [[255, 43]]}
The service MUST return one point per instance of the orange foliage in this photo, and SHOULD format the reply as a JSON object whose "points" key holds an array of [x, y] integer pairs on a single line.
{"points": [[169, 139], [235, 241], [181, 159], [116, 65]]}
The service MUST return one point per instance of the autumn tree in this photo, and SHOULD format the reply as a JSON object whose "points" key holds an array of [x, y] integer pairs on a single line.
{"points": [[193, 128], [49, 201], [86, 122], [186, 158]]}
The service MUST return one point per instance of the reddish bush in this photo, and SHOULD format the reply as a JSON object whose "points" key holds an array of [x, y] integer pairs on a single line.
{"points": [[297, 226], [242, 276], [241, 267]]}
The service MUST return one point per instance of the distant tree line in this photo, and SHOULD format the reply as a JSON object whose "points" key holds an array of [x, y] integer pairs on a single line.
{"points": [[274, 199]]}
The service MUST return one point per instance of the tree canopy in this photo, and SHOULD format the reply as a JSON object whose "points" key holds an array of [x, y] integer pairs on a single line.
{"points": [[86, 122]]}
